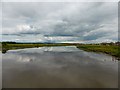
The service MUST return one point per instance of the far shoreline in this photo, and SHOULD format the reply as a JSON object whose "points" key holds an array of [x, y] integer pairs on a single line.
{"points": [[108, 48]]}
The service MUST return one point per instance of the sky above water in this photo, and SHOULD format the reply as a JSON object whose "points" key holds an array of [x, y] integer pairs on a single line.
{"points": [[60, 22]]}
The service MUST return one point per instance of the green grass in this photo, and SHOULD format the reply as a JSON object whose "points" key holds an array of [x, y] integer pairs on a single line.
{"points": [[111, 49]]}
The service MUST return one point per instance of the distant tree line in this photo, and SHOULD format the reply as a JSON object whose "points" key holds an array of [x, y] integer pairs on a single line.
{"points": [[8, 42], [111, 43]]}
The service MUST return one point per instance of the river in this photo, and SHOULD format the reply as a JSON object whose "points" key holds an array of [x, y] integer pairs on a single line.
{"points": [[58, 67]]}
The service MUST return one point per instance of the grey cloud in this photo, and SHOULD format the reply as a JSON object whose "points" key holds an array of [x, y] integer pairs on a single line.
{"points": [[86, 21]]}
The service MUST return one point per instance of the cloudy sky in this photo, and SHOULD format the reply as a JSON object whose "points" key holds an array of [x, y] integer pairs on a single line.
{"points": [[60, 22]]}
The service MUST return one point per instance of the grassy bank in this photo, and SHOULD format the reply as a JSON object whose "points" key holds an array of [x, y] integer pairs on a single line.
{"points": [[108, 49]]}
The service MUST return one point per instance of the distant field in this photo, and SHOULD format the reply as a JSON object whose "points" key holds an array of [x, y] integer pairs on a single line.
{"points": [[6, 47], [15, 46]]}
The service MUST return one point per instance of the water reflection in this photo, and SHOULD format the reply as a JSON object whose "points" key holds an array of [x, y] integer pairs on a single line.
{"points": [[58, 67]]}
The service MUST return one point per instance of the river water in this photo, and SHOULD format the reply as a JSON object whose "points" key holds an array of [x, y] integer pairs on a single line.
{"points": [[58, 67]]}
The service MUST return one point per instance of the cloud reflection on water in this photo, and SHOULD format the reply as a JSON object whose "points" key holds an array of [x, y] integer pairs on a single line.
{"points": [[64, 66]]}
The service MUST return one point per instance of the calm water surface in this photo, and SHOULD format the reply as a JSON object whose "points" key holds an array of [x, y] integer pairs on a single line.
{"points": [[58, 67]]}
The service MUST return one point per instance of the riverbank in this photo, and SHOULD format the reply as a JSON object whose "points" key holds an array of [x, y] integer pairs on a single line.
{"points": [[113, 50], [108, 49]]}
